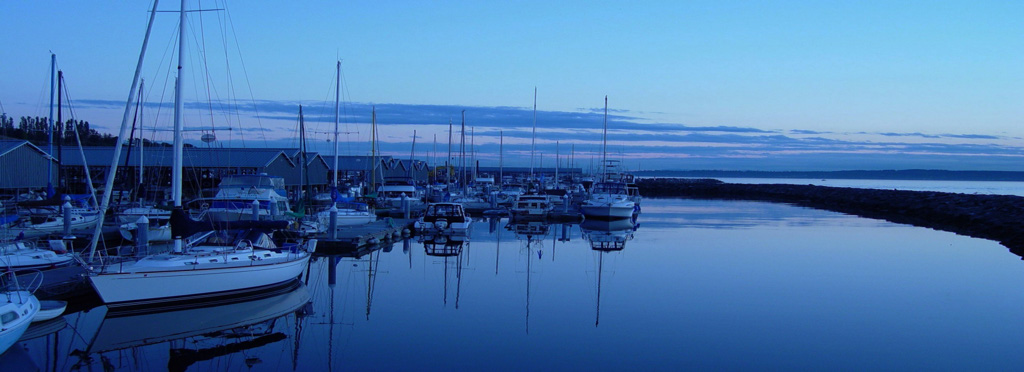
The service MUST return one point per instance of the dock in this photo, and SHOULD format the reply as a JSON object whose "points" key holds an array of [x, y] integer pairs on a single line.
{"points": [[354, 237]]}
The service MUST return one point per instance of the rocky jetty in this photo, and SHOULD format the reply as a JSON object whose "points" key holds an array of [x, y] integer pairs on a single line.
{"points": [[993, 217]]}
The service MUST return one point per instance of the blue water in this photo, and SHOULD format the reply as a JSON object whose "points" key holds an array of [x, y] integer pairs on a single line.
{"points": [[699, 285], [962, 187]]}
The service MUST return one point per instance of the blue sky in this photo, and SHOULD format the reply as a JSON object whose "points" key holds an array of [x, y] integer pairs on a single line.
{"points": [[691, 84]]}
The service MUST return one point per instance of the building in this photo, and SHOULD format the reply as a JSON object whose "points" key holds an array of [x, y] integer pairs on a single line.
{"points": [[23, 167]]}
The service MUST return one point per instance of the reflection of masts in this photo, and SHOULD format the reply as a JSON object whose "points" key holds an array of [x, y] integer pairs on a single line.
{"points": [[181, 359], [458, 279], [371, 281], [529, 255], [600, 269]]}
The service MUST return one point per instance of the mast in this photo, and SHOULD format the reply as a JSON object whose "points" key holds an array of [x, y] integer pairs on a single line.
{"points": [[556, 165], [412, 154], [462, 154], [604, 143], [337, 99], [501, 157], [59, 126], [179, 106], [142, 134], [448, 163], [124, 122], [49, 125], [373, 151], [304, 170], [533, 142]]}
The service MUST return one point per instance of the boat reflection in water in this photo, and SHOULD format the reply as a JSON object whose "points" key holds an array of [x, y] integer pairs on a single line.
{"points": [[448, 247], [191, 335], [606, 237], [532, 234]]}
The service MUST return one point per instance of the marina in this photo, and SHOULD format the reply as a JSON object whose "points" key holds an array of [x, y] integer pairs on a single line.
{"points": [[610, 284], [328, 186]]}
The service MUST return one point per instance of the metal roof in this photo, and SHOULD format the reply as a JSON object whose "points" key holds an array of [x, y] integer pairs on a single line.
{"points": [[7, 146], [192, 157]]}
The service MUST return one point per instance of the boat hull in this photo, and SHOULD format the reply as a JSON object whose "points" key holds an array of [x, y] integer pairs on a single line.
{"points": [[155, 287], [26, 306], [608, 211]]}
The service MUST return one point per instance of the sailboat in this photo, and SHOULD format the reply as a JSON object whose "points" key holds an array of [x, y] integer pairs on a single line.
{"points": [[342, 212], [610, 198], [211, 264]]}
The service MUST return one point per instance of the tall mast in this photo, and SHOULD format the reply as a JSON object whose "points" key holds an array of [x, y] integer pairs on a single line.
{"points": [[179, 106], [448, 163], [604, 143], [533, 142], [49, 124], [501, 156], [179, 142], [462, 154], [304, 170], [412, 154], [373, 151], [142, 133], [59, 127], [124, 129], [337, 100]]}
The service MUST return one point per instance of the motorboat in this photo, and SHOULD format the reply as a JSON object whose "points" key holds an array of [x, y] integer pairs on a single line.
{"points": [[608, 200], [22, 255], [237, 194], [531, 207], [444, 218]]}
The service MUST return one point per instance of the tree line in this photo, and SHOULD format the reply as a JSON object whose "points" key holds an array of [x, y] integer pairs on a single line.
{"points": [[37, 131]]}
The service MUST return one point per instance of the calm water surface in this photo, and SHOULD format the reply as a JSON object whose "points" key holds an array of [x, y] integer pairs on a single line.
{"points": [[961, 187], [697, 285]]}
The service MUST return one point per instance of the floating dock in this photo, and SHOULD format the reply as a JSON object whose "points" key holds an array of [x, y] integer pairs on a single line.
{"points": [[354, 237]]}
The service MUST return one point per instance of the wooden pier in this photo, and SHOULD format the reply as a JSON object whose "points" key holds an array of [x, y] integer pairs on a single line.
{"points": [[353, 237]]}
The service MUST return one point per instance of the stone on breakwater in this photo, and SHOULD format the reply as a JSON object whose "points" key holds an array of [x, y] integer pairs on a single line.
{"points": [[993, 217]]}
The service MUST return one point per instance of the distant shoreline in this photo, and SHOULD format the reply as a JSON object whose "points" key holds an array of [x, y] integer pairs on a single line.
{"points": [[907, 174]]}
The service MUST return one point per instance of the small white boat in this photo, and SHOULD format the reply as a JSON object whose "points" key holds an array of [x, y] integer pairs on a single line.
{"points": [[22, 255], [49, 309], [17, 308], [349, 214], [531, 207]]}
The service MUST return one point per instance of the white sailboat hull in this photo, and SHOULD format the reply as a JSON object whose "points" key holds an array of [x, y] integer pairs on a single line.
{"points": [[127, 287]]}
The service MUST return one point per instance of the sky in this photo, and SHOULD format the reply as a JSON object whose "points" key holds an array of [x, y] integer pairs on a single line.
{"points": [[737, 85]]}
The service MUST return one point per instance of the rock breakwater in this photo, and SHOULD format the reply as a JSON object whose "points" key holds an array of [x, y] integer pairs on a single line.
{"points": [[993, 217]]}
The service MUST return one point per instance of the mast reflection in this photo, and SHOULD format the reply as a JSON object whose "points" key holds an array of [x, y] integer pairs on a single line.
{"points": [[605, 237], [532, 234], [447, 246]]}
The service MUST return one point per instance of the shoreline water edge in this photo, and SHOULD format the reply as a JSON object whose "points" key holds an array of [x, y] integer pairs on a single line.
{"points": [[992, 217]]}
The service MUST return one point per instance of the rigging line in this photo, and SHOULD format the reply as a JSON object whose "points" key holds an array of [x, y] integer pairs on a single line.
{"points": [[206, 64], [245, 72]]}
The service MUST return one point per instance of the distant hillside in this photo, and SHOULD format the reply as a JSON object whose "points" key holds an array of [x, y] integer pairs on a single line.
{"points": [[908, 174]]}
